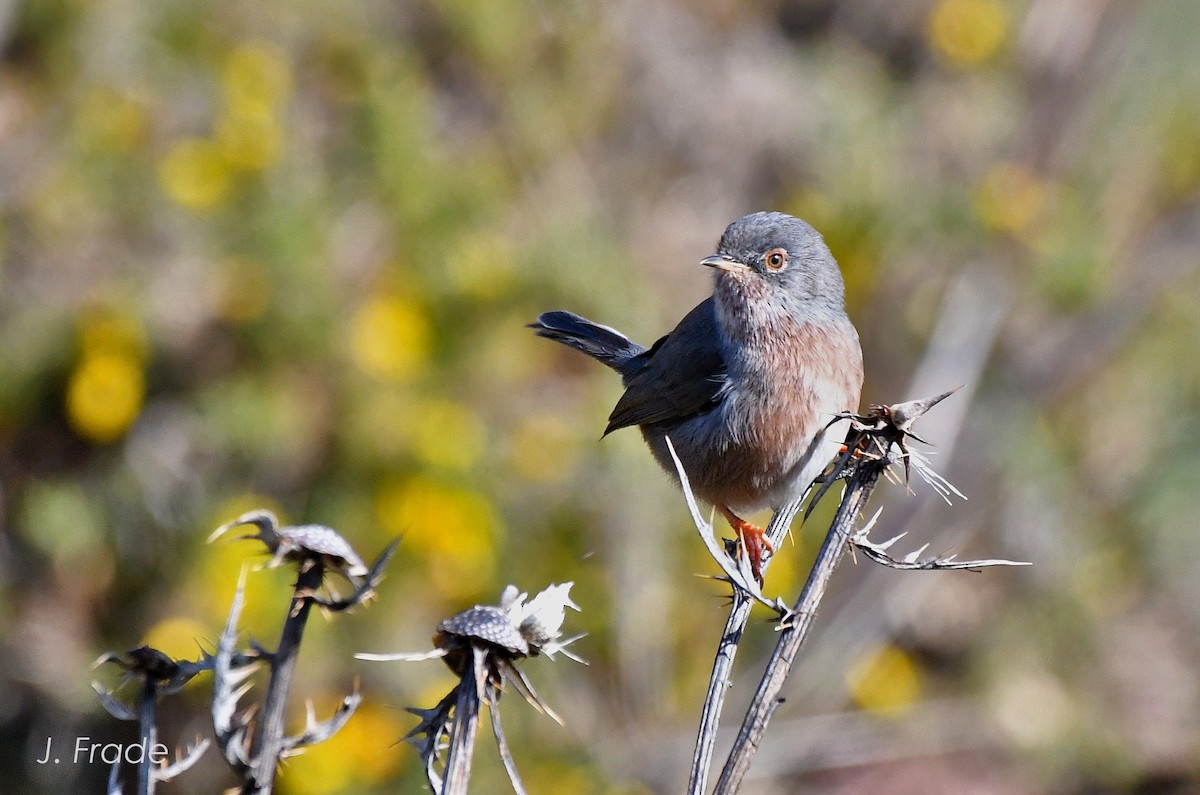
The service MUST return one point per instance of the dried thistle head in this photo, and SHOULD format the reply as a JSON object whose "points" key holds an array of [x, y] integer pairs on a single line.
{"points": [[482, 625], [540, 620], [144, 661], [299, 543], [884, 427], [482, 645], [511, 630]]}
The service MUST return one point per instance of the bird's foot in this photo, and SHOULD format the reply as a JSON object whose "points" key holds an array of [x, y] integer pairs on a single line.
{"points": [[754, 542]]}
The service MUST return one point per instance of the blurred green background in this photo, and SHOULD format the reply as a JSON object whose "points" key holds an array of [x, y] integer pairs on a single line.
{"points": [[281, 254]]}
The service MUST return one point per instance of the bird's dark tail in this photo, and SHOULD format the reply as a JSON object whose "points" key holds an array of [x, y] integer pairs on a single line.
{"points": [[602, 343]]}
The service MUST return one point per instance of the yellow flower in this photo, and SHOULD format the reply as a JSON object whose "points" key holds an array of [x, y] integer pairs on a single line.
{"points": [[363, 755], [195, 174], [105, 330], [1011, 198], [967, 32], [884, 680], [179, 638], [111, 120], [454, 529], [249, 138], [481, 266], [544, 449], [390, 338], [446, 435], [104, 395], [256, 74], [243, 290]]}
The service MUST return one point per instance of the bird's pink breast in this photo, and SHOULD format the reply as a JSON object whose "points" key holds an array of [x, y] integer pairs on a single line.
{"points": [[785, 392]]}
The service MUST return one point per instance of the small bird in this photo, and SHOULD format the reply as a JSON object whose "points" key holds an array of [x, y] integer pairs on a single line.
{"points": [[748, 384]]}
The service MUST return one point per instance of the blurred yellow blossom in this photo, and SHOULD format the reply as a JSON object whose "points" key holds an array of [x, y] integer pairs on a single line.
{"points": [[967, 32], [179, 638], [244, 290], [1012, 198], [195, 174], [112, 120], [544, 449], [104, 395], [198, 173], [105, 330], [453, 528], [362, 755], [63, 202], [249, 139], [481, 266], [256, 78], [375, 425], [562, 776], [884, 680], [390, 338], [446, 434]]}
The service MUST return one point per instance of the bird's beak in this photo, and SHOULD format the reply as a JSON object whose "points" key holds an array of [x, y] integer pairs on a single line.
{"points": [[724, 262]]}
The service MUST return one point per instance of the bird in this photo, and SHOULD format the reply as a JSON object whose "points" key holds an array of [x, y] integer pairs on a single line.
{"points": [[749, 384]]}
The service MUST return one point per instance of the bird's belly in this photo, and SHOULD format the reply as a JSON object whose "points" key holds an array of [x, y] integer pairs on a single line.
{"points": [[740, 472], [769, 436]]}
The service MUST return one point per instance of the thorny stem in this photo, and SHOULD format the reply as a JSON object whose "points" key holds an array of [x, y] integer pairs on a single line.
{"points": [[466, 724], [269, 740], [148, 734], [797, 625], [719, 679], [510, 764]]}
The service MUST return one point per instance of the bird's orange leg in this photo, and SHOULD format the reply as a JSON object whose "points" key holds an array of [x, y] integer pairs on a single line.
{"points": [[752, 538]]}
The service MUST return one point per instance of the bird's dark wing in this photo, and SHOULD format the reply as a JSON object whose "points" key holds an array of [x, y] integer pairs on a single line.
{"points": [[680, 377]]}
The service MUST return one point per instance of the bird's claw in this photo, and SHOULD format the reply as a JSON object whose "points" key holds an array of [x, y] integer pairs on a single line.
{"points": [[755, 543]]}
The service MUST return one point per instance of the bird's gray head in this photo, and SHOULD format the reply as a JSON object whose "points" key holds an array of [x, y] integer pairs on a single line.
{"points": [[779, 262]]}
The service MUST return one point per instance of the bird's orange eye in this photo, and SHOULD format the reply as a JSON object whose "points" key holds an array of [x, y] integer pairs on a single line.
{"points": [[776, 259]]}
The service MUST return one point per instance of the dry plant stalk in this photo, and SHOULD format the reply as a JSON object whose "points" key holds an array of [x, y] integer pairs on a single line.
{"points": [[159, 676], [874, 443], [254, 746]]}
